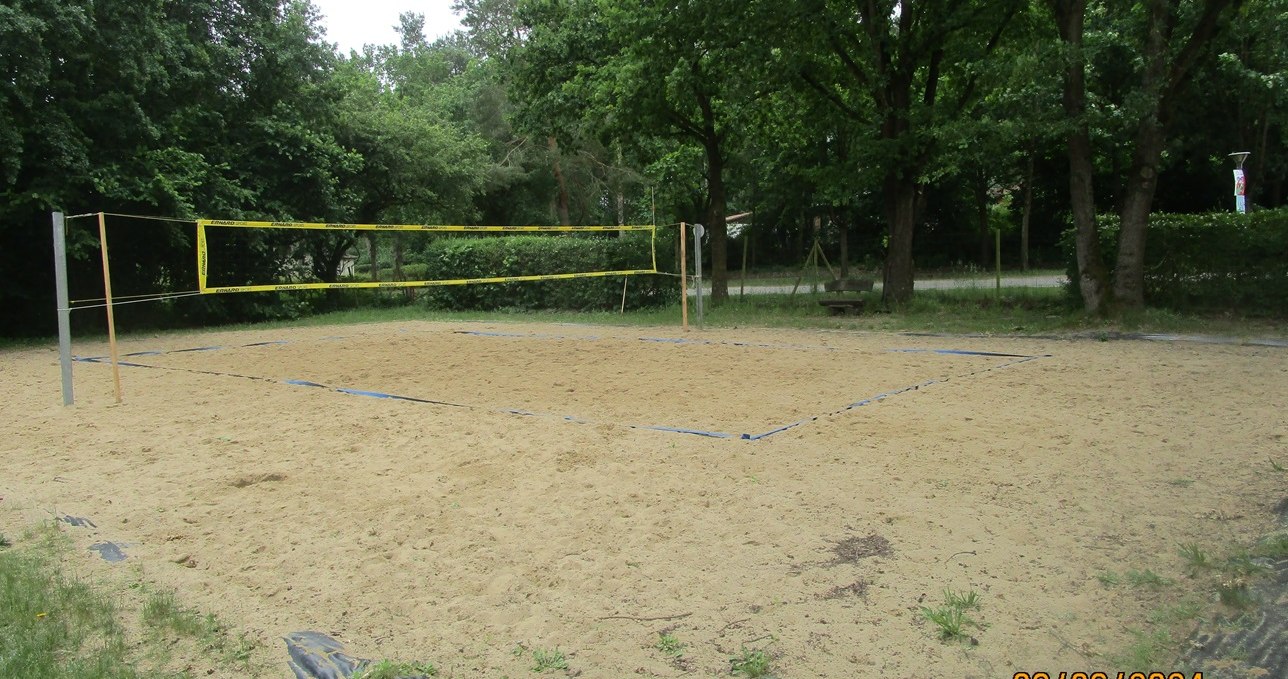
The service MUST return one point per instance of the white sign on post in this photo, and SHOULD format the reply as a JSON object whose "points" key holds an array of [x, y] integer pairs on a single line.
{"points": [[1240, 191]]}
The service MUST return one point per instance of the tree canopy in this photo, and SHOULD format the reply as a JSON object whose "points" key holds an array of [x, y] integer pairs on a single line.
{"points": [[907, 128]]}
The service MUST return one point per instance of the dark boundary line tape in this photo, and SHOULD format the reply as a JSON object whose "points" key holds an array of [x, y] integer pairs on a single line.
{"points": [[684, 430], [373, 394], [1127, 336], [883, 396], [654, 340], [956, 352], [576, 420]]}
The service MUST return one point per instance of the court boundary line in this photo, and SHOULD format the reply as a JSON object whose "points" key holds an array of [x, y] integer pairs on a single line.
{"points": [[676, 429]]}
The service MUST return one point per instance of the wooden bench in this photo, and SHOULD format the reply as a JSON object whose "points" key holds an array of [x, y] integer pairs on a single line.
{"points": [[846, 305]]}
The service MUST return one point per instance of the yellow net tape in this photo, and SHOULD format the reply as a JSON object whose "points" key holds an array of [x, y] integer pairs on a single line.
{"points": [[203, 256]]}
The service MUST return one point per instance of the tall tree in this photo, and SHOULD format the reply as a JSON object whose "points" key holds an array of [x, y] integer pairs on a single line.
{"points": [[642, 70], [1171, 36], [897, 55]]}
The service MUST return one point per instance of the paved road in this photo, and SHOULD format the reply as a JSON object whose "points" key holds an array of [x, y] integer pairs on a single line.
{"points": [[1046, 281]]}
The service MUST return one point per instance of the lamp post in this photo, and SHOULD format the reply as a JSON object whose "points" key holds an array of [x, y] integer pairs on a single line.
{"points": [[1240, 181]]}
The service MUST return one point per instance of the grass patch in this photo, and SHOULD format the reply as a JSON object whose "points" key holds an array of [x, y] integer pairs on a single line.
{"points": [[968, 310], [1196, 560], [1174, 614], [951, 618], [669, 645], [1147, 579], [163, 616], [387, 669], [965, 601], [751, 663], [1273, 547], [1242, 564], [544, 660], [1148, 649], [55, 625], [1185, 607], [1234, 592]]}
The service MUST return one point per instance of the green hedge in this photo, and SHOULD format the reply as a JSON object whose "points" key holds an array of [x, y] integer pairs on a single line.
{"points": [[492, 256], [1205, 262]]}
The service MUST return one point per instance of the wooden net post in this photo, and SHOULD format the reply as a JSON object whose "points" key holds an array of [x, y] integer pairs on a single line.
{"points": [[107, 294], [684, 277]]}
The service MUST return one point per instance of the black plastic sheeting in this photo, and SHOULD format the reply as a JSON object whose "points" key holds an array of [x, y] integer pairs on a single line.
{"points": [[110, 551], [317, 656], [78, 521]]}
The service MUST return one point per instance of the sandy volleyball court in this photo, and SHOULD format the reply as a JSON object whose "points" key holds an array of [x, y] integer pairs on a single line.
{"points": [[526, 489]]}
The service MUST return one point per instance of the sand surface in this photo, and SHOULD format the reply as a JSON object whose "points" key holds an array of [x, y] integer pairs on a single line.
{"points": [[457, 530]]}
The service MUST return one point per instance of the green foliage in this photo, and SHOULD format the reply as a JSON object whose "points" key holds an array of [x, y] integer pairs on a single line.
{"points": [[670, 645], [388, 669], [583, 111], [1147, 579], [1273, 547], [1196, 560], [58, 625], [52, 625], [951, 618], [964, 601], [1234, 592], [1243, 564], [1148, 649], [751, 663], [544, 660], [951, 621], [489, 257], [163, 615], [1181, 612], [1208, 262]]}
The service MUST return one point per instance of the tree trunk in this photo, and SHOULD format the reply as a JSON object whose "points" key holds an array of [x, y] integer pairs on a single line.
{"points": [[561, 200], [1093, 279], [799, 249], [981, 215], [1142, 183], [409, 293], [1028, 213], [1142, 178], [901, 208], [373, 251], [1260, 174], [619, 189], [398, 256], [1092, 276], [843, 224], [327, 253], [901, 194], [716, 227]]}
